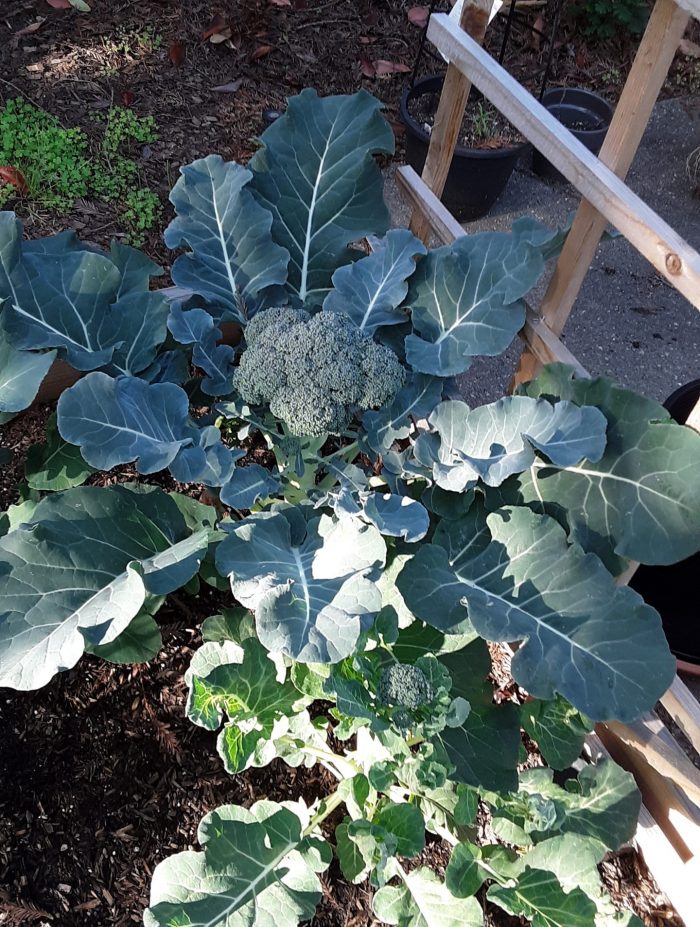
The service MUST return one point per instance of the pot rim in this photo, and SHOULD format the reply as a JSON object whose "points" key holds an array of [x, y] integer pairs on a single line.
{"points": [[460, 150], [561, 101]]}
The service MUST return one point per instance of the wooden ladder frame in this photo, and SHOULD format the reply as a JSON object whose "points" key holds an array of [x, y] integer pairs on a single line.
{"points": [[669, 826]]}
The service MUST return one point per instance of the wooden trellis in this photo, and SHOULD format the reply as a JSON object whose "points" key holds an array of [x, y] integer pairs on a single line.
{"points": [[669, 826]]}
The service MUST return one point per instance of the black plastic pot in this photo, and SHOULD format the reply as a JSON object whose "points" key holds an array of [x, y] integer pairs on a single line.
{"points": [[477, 176], [672, 590], [585, 115]]}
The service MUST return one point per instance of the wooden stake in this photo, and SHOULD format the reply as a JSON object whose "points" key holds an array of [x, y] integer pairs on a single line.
{"points": [[450, 112]]}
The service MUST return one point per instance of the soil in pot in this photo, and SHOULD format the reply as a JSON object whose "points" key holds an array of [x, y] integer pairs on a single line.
{"points": [[488, 148]]}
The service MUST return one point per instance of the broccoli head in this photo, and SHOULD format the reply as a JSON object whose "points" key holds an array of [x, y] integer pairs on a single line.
{"points": [[314, 371], [404, 686]]}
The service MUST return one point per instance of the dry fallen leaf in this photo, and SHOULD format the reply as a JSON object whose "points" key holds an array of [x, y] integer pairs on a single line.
{"points": [[176, 53], [280, 2], [367, 67], [32, 27], [218, 37], [127, 97], [382, 67], [217, 24], [418, 16], [260, 52], [231, 87], [687, 48], [15, 177]]}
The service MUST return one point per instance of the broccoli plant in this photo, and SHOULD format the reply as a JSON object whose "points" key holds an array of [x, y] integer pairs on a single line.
{"points": [[384, 535]]}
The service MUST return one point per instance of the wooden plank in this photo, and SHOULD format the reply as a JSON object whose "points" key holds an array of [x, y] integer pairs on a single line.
{"points": [[448, 119], [655, 239], [684, 708], [425, 203], [544, 345], [675, 873], [651, 64], [643, 735]]}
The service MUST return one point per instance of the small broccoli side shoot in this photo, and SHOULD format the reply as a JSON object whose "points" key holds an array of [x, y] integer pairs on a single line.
{"points": [[404, 686], [314, 372]]}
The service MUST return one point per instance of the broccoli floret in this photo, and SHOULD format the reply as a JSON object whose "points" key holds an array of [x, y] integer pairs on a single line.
{"points": [[405, 686], [314, 371]]}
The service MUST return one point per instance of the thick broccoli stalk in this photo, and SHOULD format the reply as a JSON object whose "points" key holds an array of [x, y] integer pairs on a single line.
{"points": [[404, 686], [314, 371]]}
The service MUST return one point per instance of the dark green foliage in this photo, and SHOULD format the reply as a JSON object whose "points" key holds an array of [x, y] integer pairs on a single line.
{"points": [[605, 19]]}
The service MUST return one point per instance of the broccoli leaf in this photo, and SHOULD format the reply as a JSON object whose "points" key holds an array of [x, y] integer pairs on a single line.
{"points": [[21, 375], [558, 729], [539, 897], [466, 300], [641, 499], [56, 464], [397, 516], [317, 176], [495, 441], [422, 900], [248, 484], [595, 643], [415, 400], [370, 290], [308, 582], [233, 255], [116, 421], [80, 567], [197, 327], [257, 867], [139, 642]]}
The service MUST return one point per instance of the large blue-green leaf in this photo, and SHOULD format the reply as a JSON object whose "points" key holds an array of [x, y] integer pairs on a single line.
{"points": [[117, 421], [80, 567], [257, 868], [495, 441], [60, 301], [317, 176], [466, 300], [248, 484], [207, 460], [517, 578], [641, 500], [397, 516], [95, 309], [21, 373], [233, 256], [370, 290], [307, 581], [197, 327]]}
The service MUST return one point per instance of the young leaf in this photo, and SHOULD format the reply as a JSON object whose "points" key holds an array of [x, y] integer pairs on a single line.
{"points": [[56, 464], [248, 484], [81, 568], [197, 327], [317, 177], [307, 582], [233, 254], [370, 290], [495, 441], [596, 644], [256, 867], [470, 866], [415, 400]]}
